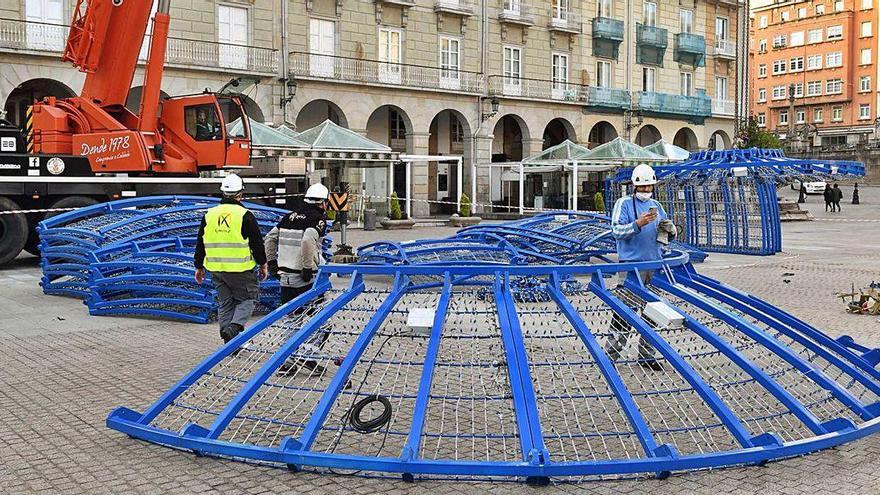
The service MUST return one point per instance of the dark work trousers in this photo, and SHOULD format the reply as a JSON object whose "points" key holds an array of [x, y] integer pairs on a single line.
{"points": [[621, 330], [311, 308], [237, 294]]}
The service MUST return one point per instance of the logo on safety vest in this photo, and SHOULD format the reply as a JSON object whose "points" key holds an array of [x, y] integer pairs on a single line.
{"points": [[223, 220]]}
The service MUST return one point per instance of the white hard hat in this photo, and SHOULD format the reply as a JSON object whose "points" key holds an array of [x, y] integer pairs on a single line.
{"points": [[643, 175], [317, 193], [231, 184]]}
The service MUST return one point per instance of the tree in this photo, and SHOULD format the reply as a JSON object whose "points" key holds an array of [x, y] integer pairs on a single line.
{"points": [[396, 214], [752, 136], [465, 206]]}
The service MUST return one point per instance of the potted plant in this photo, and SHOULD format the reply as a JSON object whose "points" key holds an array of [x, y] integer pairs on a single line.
{"points": [[397, 219], [463, 217]]}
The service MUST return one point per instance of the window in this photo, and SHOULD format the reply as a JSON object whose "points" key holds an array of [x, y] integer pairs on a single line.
{"points": [[560, 10], [650, 14], [814, 36], [797, 38], [796, 64], [649, 79], [783, 16], [865, 30], [687, 83], [783, 117], [817, 115], [560, 75], [762, 46], [232, 35], [798, 90], [838, 5], [865, 84], [389, 54], [864, 111], [606, 8], [202, 122], [762, 119], [800, 116], [512, 68], [322, 47], [779, 92], [865, 56], [603, 74], [834, 33], [836, 114], [396, 126], [762, 22], [833, 59], [686, 21], [762, 95], [814, 62], [45, 18], [867, 4], [778, 67], [802, 12], [820, 9], [450, 62], [456, 130], [721, 28], [833, 86], [814, 88], [779, 41], [762, 70], [720, 88]]}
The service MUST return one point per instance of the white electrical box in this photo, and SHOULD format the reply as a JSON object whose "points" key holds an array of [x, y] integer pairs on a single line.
{"points": [[420, 321], [664, 316], [740, 171]]}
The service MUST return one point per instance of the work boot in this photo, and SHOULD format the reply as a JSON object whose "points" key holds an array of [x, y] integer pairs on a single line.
{"points": [[651, 363]]}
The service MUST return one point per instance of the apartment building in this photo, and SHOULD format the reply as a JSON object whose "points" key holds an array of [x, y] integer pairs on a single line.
{"points": [[813, 70], [491, 80]]}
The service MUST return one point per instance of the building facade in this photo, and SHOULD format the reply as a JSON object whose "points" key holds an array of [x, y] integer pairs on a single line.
{"points": [[813, 71], [491, 80]]}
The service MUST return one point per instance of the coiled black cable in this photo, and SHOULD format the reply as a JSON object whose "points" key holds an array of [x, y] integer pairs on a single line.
{"points": [[371, 425]]}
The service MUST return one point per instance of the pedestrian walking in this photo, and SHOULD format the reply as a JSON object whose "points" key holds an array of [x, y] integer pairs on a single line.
{"points": [[829, 197], [837, 196], [293, 248], [855, 199], [229, 247], [638, 222]]}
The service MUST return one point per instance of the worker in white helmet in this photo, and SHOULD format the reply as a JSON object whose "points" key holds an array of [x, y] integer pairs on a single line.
{"points": [[230, 247], [293, 248], [640, 226]]}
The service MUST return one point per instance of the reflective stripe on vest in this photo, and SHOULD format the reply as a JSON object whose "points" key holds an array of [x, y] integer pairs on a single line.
{"points": [[225, 248]]}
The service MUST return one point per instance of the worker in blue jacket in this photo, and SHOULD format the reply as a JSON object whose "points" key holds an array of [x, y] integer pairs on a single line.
{"points": [[640, 226]]}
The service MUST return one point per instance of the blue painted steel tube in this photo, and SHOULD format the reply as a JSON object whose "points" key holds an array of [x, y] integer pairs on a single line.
{"points": [[783, 396], [420, 410], [714, 402], [525, 402], [250, 388], [316, 420], [624, 398], [729, 218], [787, 354]]}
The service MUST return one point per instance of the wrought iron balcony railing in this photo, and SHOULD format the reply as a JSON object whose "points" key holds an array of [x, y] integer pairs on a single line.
{"points": [[537, 89], [516, 12], [725, 48], [374, 72], [614, 98], [568, 21]]}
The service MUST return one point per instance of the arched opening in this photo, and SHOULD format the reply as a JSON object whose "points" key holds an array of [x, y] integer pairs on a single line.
{"points": [[685, 138], [719, 141], [507, 146], [390, 126], [557, 131], [449, 134], [601, 133], [253, 110], [317, 111], [24, 95], [133, 102], [648, 135]]}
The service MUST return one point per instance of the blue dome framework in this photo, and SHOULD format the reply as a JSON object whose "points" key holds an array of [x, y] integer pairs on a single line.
{"points": [[726, 201], [511, 377]]}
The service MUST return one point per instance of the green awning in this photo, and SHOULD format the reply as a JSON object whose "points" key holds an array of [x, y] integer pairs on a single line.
{"points": [[565, 150], [329, 136], [621, 150], [668, 150]]}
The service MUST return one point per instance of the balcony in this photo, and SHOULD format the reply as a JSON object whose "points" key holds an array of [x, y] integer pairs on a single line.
{"points": [[515, 12], [565, 21], [377, 73], [651, 43], [537, 89], [725, 49], [690, 49], [610, 98], [607, 29], [722, 107], [697, 108], [454, 7], [19, 35]]}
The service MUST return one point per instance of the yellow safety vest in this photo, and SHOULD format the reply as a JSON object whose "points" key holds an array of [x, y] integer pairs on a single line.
{"points": [[225, 248]]}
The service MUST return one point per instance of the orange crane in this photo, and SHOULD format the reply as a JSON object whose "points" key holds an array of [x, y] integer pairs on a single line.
{"points": [[189, 135]]}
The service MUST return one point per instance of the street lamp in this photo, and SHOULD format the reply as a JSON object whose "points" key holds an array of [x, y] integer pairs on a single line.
{"points": [[493, 105], [290, 85]]}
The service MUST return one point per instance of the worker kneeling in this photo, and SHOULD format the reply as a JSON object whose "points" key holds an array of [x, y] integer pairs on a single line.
{"points": [[641, 228], [293, 248], [230, 246]]}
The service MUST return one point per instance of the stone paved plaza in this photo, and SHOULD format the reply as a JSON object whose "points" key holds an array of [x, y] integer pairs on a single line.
{"points": [[62, 371]]}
